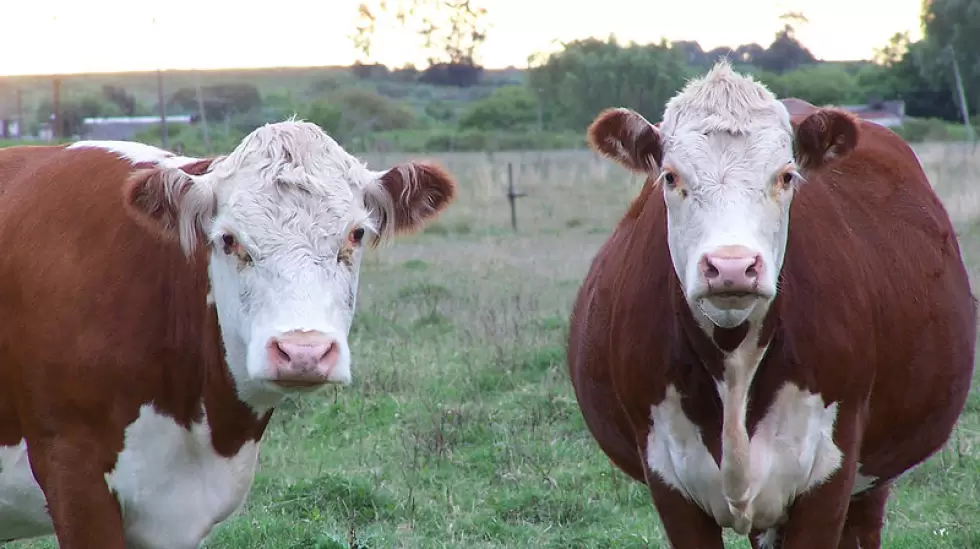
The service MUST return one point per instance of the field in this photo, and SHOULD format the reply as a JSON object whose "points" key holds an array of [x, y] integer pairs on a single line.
{"points": [[301, 82], [461, 429]]}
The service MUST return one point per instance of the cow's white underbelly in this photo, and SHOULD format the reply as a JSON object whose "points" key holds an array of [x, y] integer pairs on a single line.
{"points": [[171, 485], [791, 451]]}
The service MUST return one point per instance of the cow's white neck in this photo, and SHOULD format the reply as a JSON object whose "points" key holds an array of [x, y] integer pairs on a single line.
{"points": [[738, 483]]}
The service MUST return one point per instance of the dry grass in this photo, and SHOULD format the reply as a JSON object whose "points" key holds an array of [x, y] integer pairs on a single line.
{"points": [[461, 429]]}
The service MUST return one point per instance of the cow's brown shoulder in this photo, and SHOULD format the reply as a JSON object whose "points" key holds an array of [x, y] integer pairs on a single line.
{"points": [[109, 317]]}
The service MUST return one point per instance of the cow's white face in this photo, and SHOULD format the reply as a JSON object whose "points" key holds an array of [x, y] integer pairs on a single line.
{"points": [[724, 157], [728, 197], [286, 217]]}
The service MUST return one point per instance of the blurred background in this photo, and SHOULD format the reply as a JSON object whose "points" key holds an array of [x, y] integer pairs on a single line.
{"points": [[461, 429]]}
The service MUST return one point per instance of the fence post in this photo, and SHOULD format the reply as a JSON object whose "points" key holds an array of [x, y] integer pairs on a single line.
{"points": [[512, 196]]}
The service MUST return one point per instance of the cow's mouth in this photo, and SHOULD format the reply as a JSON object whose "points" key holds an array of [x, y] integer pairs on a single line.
{"points": [[297, 383], [735, 294]]}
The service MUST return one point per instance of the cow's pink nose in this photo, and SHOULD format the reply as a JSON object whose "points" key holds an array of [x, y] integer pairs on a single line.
{"points": [[303, 356], [732, 269]]}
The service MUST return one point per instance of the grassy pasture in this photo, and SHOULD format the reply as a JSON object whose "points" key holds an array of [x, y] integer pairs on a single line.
{"points": [[461, 429]]}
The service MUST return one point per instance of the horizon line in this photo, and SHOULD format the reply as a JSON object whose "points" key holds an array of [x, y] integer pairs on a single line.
{"points": [[229, 68]]}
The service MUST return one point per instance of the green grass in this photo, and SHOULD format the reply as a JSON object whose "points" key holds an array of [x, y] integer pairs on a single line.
{"points": [[461, 429]]}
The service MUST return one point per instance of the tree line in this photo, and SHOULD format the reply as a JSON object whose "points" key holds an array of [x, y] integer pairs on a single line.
{"points": [[938, 77], [452, 103]]}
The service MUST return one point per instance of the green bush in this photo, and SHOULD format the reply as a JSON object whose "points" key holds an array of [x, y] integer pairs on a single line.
{"points": [[507, 108], [917, 130]]}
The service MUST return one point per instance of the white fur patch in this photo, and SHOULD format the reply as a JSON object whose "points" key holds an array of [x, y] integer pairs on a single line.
{"points": [[136, 152], [171, 485], [791, 451]]}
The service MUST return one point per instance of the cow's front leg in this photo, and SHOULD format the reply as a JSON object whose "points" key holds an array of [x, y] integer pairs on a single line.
{"points": [[85, 513], [816, 519], [687, 526]]}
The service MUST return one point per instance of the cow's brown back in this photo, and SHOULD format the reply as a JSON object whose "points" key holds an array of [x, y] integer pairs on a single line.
{"points": [[96, 306]]}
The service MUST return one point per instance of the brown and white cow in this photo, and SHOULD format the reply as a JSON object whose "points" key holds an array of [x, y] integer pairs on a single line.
{"points": [[761, 370], [156, 308]]}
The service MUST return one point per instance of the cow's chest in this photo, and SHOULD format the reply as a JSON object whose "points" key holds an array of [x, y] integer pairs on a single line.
{"points": [[791, 450], [171, 485]]}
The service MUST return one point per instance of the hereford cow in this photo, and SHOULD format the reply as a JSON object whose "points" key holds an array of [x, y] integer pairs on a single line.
{"points": [[156, 308], [761, 370]]}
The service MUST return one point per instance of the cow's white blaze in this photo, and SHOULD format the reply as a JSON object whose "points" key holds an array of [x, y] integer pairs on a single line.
{"points": [[727, 147]]}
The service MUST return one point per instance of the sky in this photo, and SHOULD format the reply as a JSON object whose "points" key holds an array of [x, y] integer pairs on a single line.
{"points": [[73, 36]]}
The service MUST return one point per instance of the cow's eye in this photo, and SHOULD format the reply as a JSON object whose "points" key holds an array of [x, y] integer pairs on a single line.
{"points": [[230, 245], [356, 235]]}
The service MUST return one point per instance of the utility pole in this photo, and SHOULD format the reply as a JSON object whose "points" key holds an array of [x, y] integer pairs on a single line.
{"points": [[964, 111], [163, 109], [56, 127], [201, 113], [20, 113], [160, 101]]}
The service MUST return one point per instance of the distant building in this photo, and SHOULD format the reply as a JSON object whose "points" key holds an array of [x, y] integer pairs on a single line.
{"points": [[887, 113], [9, 128], [125, 128]]}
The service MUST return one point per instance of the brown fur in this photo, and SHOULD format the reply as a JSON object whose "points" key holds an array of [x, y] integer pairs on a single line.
{"points": [[434, 191], [875, 312]]}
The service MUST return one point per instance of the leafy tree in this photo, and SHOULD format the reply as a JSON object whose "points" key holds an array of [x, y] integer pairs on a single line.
{"points": [[950, 28], [507, 108], [74, 111], [118, 96], [325, 114], [451, 32], [221, 101], [893, 52], [910, 79], [589, 75], [786, 52], [822, 84], [355, 112], [363, 36]]}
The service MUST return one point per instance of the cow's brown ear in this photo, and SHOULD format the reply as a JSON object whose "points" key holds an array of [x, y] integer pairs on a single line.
{"points": [[627, 138], [823, 136], [171, 203], [408, 195]]}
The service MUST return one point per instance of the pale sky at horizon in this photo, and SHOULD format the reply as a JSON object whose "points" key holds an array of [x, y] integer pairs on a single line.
{"points": [[118, 35]]}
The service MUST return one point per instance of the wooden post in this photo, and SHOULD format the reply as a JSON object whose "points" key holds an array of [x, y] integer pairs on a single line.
{"points": [[201, 113], [512, 196], [163, 109], [20, 114]]}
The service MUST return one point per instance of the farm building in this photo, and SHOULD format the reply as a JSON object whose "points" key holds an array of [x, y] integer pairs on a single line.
{"points": [[9, 128], [124, 128], [887, 113]]}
